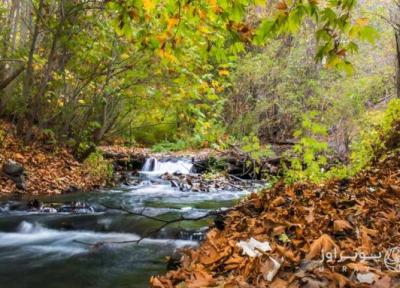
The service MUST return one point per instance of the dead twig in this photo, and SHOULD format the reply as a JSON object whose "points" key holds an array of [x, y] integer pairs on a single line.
{"points": [[164, 222]]}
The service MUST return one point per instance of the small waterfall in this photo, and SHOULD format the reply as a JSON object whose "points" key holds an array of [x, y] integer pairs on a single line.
{"points": [[155, 167], [150, 164]]}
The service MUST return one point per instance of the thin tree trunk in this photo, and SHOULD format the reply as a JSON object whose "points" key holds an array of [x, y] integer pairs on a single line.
{"points": [[50, 63], [397, 35], [26, 92], [5, 82]]}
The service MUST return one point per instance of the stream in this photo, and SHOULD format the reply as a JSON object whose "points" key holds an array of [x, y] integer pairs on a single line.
{"points": [[48, 246]]}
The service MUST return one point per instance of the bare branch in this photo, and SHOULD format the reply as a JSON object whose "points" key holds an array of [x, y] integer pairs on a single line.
{"points": [[164, 222]]}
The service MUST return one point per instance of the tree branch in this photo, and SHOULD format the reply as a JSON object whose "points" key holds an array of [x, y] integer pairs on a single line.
{"points": [[164, 222]]}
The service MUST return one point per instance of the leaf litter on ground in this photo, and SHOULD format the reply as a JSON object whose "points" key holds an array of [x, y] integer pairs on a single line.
{"points": [[337, 234]]}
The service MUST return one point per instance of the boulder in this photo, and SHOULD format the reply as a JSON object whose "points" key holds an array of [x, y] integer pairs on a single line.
{"points": [[15, 172], [19, 182], [13, 169]]}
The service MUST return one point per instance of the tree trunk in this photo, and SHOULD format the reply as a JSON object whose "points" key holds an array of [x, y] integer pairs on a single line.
{"points": [[397, 35], [26, 92], [5, 82]]}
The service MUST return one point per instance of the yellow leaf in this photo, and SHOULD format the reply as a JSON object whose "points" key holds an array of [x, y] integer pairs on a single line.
{"points": [[201, 13], [124, 56], [166, 55], [172, 23], [223, 72], [213, 5], [215, 83], [362, 21], [149, 5]]}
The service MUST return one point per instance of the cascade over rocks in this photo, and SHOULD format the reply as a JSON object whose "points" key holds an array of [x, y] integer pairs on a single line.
{"points": [[233, 161]]}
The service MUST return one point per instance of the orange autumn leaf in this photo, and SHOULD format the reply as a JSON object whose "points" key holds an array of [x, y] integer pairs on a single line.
{"points": [[359, 267], [171, 23], [341, 225], [200, 279], [281, 5], [322, 245]]}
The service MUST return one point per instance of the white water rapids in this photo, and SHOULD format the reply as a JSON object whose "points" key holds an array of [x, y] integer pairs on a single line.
{"points": [[49, 249], [33, 238]]}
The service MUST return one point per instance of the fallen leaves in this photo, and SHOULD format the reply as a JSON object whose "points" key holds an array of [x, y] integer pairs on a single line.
{"points": [[341, 225], [303, 225], [323, 244], [270, 268], [254, 248], [49, 170], [200, 279]]}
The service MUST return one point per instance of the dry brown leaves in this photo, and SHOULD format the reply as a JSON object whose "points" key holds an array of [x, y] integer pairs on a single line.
{"points": [[49, 170], [303, 223]]}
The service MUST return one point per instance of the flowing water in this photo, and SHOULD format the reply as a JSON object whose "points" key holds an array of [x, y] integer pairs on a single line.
{"points": [[50, 247]]}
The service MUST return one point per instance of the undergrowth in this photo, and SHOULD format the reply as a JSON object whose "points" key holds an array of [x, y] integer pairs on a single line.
{"points": [[97, 166], [380, 133]]}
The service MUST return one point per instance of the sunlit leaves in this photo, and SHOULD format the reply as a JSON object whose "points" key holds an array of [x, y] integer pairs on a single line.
{"points": [[208, 27], [199, 37], [149, 5]]}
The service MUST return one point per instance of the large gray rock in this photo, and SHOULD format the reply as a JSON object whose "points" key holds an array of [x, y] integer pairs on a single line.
{"points": [[15, 172], [13, 169]]}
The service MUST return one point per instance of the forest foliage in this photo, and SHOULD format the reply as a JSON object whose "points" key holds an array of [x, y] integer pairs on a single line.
{"points": [[206, 73]]}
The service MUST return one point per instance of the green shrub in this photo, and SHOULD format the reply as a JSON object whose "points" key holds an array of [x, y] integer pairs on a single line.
{"points": [[166, 146], [251, 145], [99, 167], [377, 135], [308, 159], [2, 136], [380, 133]]}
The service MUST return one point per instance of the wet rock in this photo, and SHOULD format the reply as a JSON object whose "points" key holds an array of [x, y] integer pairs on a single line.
{"points": [[48, 210], [174, 261], [198, 183], [15, 172], [20, 182], [13, 169], [34, 204], [219, 222], [17, 206], [71, 189], [125, 178], [76, 207]]}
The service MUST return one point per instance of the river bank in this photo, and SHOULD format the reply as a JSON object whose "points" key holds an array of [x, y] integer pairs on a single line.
{"points": [[41, 168], [340, 234], [113, 237]]}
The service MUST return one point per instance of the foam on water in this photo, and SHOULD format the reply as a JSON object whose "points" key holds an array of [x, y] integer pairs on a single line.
{"points": [[36, 239]]}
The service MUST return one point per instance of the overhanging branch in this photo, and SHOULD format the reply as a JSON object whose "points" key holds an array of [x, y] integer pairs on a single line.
{"points": [[164, 222]]}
